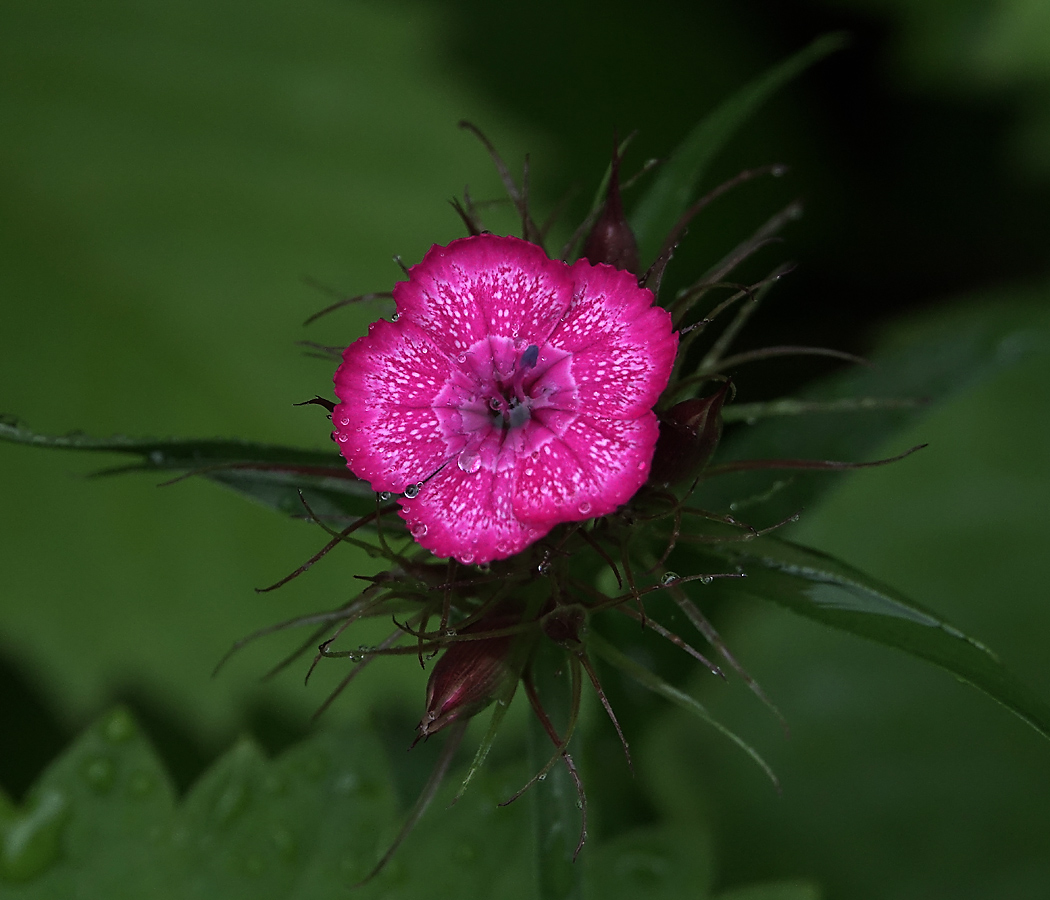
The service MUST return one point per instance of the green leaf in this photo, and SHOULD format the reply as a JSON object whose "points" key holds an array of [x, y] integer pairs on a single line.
{"points": [[659, 863], [778, 890], [820, 587], [269, 474], [675, 186], [679, 698], [927, 359], [557, 819], [309, 824]]}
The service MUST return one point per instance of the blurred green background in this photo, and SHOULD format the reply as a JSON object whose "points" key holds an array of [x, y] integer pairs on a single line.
{"points": [[170, 175]]}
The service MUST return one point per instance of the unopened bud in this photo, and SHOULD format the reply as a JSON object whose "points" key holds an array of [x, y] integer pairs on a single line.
{"points": [[467, 678], [611, 239], [689, 433]]}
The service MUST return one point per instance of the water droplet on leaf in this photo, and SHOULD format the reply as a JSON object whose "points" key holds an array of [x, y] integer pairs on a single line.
{"points": [[99, 771], [119, 727]]}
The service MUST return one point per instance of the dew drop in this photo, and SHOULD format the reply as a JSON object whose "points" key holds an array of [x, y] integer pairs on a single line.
{"points": [[669, 578], [342, 438], [284, 841], [584, 508], [544, 567], [419, 530], [706, 579], [384, 495], [542, 776], [462, 358], [469, 461], [142, 783], [99, 772], [394, 317], [231, 802], [344, 421], [528, 471], [412, 491], [642, 465], [119, 727], [467, 559]]}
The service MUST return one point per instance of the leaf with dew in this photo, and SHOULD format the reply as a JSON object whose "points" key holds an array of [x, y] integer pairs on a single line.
{"points": [[820, 587]]}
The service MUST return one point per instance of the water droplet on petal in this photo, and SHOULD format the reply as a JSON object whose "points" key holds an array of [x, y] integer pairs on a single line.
{"points": [[394, 317], [419, 530], [344, 421], [342, 438], [584, 508], [384, 495], [669, 578], [412, 491], [469, 461]]}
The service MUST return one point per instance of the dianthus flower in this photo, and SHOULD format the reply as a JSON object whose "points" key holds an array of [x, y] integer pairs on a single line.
{"points": [[511, 392]]}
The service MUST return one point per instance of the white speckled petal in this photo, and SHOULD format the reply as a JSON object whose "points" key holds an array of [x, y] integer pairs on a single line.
{"points": [[485, 286], [386, 426], [593, 468], [470, 517]]}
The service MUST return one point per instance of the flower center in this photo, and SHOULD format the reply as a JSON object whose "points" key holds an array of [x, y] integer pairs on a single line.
{"points": [[511, 405]]}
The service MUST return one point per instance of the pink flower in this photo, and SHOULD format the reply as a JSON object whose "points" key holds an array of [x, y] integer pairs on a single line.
{"points": [[511, 392]]}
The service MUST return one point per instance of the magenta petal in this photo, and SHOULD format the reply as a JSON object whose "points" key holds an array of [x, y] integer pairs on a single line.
{"points": [[622, 346], [593, 468], [484, 286], [469, 517], [517, 390], [386, 426]]}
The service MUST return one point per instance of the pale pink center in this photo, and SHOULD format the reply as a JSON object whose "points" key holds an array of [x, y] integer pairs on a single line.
{"points": [[505, 399]]}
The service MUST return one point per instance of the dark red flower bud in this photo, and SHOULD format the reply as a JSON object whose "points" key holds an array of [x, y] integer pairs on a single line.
{"points": [[467, 678], [611, 239], [689, 433]]}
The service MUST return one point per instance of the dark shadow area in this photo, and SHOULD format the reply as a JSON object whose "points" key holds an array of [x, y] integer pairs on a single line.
{"points": [[31, 736], [909, 198], [185, 756]]}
